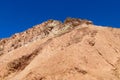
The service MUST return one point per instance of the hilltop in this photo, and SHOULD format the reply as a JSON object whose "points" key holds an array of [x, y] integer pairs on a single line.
{"points": [[73, 50]]}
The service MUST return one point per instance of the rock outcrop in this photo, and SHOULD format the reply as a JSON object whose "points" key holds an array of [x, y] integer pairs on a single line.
{"points": [[73, 50]]}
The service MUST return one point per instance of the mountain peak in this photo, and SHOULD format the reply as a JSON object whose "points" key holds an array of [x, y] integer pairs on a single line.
{"points": [[75, 49], [50, 27]]}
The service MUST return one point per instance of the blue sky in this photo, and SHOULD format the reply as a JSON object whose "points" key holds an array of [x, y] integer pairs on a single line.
{"points": [[19, 15]]}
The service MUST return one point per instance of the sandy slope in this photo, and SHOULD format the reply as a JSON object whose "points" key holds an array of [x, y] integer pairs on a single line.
{"points": [[86, 52]]}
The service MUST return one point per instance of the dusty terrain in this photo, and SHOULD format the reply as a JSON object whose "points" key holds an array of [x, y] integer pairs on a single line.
{"points": [[74, 50]]}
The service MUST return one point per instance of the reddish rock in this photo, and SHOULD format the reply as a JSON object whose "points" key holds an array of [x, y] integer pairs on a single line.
{"points": [[73, 50]]}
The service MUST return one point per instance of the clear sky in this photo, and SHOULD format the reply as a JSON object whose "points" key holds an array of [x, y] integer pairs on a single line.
{"points": [[19, 15]]}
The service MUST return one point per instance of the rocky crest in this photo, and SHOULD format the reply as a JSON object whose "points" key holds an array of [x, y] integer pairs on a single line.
{"points": [[73, 50], [50, 27]]}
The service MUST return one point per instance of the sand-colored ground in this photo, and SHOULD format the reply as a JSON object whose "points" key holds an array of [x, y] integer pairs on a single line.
{"points": [[75, 50]]}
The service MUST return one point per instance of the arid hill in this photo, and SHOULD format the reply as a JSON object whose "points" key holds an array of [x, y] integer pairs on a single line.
{"points": [[74, 50]]}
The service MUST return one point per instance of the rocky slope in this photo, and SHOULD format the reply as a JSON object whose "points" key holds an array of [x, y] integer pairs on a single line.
{"points": [[74, 50]]}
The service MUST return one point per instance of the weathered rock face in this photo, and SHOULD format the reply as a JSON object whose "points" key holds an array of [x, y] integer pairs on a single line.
{"points": [[73, 50]]}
